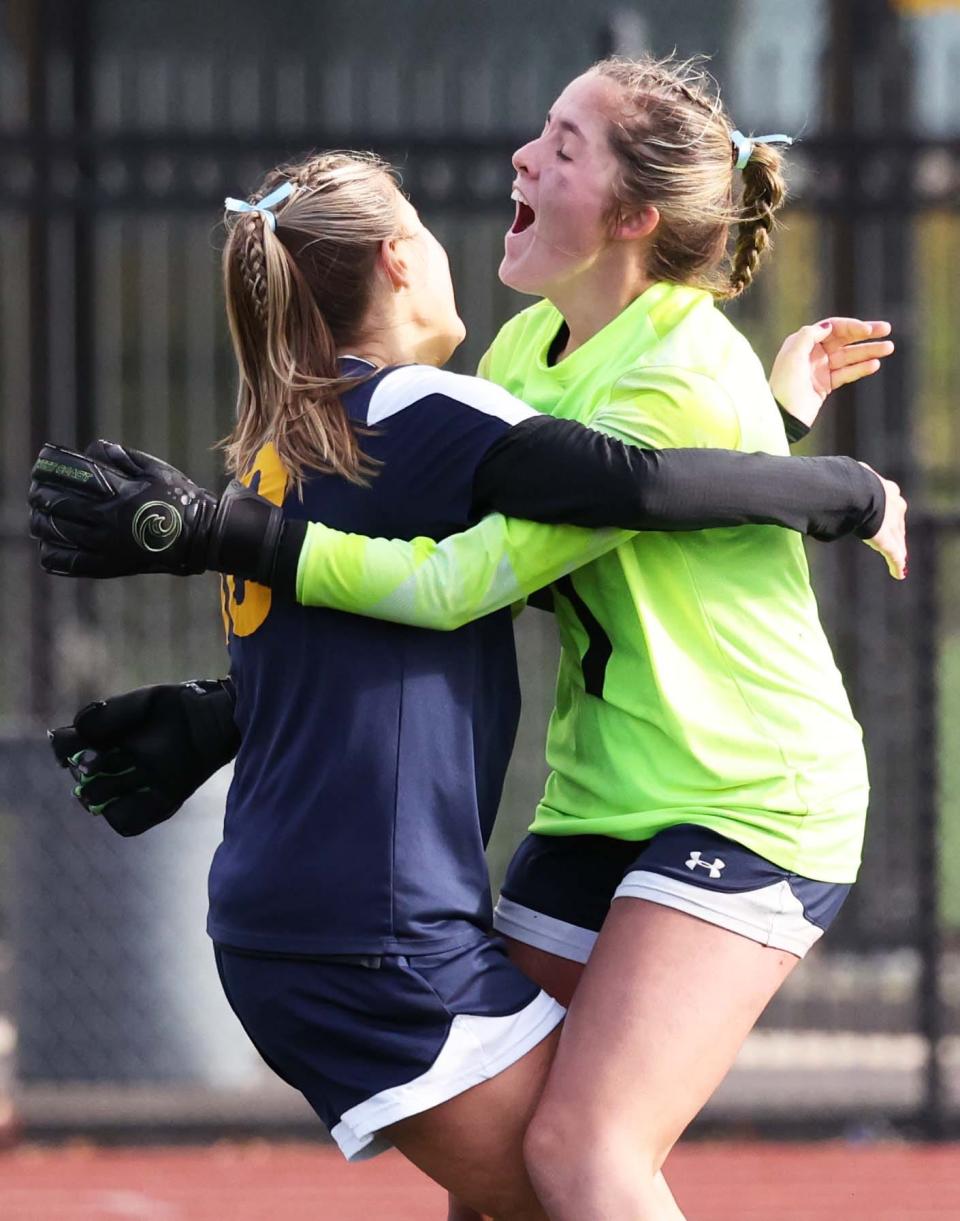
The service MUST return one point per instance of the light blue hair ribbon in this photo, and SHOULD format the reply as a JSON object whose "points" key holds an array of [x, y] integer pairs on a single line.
{"points": [[746, 144], [269, 201]]}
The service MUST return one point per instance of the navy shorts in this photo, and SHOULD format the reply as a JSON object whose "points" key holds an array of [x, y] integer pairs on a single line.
{"points": [[558, 889], [374, 1041]]}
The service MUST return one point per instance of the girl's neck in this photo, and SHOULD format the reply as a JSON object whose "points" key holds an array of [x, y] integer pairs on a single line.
{"points": [[393, 333], [401, 344], [592, 300]]}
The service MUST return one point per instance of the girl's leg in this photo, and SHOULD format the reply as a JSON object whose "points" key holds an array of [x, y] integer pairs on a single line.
{"points": [[664, 1005], [473, 1144], [460, 1212], [559, 978]]}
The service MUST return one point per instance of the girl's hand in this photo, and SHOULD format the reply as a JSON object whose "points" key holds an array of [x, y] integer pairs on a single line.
{"points": [[891, 539], [820, 358]]}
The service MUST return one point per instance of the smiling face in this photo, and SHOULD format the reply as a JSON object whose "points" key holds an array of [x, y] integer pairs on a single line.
{"points": [[563, 191]]}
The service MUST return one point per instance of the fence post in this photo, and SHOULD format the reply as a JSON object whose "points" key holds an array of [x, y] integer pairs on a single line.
{"points": [[36, 58], [925, 560]]}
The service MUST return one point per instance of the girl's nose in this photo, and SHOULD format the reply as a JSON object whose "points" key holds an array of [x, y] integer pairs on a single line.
{"points": [[524, 159]]}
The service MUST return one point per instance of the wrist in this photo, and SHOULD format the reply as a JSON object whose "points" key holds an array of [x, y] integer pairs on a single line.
{"points": [[244, 535], [208, 708], [795, 428], [203, 519], [873, 499]]}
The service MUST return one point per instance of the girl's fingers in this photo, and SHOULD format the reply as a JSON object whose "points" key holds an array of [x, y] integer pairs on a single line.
{"points": [[853, 330], [852, 373], [854, 353]]}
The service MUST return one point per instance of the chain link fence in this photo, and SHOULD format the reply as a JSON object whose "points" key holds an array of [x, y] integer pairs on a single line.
{"points": [[116, 159]]}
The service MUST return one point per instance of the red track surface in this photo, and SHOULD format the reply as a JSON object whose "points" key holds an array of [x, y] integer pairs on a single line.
{"points": [[260, 1182]]}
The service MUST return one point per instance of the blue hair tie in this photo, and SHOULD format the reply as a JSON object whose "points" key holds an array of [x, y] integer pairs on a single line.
{"points": [[746, 144], [263, 207]]}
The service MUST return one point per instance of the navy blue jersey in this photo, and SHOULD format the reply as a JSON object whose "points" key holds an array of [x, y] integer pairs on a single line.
{"points": [[373, 754]]}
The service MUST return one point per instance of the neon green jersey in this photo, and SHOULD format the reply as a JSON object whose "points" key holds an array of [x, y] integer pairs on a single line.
{"points": [[695, 682], [718, 701]]}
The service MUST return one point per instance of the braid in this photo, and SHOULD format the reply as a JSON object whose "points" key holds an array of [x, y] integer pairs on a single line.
{"points": [[764, 191], [252, 260]]}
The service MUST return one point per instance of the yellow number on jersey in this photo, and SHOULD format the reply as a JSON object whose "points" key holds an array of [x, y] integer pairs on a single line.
{"points": [[246, 604]]}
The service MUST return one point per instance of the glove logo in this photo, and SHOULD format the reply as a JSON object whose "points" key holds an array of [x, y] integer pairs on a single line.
{"points": [[157, 526]]}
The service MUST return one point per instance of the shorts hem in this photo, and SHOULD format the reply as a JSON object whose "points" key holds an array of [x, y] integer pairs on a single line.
{"points": [[358, 1132], [384, 947], [557, 937], [686, 898]]}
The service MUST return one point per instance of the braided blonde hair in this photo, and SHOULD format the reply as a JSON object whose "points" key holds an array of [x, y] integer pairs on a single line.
{"points": [[672, 139], [295, 294]]}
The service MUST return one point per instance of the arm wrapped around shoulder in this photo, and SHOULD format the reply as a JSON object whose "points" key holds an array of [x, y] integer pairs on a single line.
{"points": [[552, 470]]}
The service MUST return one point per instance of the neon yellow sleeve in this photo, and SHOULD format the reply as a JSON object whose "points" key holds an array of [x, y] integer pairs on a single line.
{"points": [[664, 407], [447, 584]]}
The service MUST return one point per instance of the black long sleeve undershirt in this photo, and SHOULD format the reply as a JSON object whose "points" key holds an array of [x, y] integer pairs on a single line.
{"points": [[795, 429], [561, 472], [558, 471]]}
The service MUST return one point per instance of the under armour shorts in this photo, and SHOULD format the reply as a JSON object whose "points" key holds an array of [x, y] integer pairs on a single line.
{"points": [[372, 1041], [558, 889]]}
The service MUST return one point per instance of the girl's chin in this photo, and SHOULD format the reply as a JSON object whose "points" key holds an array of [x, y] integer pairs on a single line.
{"points": [[533, 267], [521, 279]]}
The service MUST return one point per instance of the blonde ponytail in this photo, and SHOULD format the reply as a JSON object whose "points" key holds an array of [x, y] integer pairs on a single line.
{"points": [[297, 289]]}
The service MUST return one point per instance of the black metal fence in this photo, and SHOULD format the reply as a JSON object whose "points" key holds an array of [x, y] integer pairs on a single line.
{"points": [[114, 172]]}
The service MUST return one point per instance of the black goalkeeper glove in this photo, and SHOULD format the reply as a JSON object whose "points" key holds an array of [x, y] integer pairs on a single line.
{"points": [[112, 512], [137, 757]]}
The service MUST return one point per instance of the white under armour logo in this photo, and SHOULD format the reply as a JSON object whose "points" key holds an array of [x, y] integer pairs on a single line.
{"points": [[715, 868]]}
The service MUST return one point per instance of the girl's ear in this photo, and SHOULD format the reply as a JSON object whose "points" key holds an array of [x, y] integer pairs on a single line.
{"points": [[394, 264], [640, 223]]}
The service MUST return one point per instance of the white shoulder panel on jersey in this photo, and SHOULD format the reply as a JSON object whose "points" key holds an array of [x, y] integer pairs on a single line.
{"points": [[406, 386]]}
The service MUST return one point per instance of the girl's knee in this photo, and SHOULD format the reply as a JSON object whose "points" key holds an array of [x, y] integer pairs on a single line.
{"points": [[568, 1151], [584, 1170], [558, 1152]]}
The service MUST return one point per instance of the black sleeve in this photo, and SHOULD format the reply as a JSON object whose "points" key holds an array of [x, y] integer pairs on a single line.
{"points": [[552, 470], [795, 429], [287, 559]]}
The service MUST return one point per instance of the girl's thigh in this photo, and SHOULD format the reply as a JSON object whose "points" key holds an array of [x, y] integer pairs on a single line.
{"points": [[558, 977], [554, 899], [664, 1004], [473, 1143]]}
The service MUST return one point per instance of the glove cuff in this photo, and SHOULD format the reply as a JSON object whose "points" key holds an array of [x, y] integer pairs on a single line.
{"points": [[213, 731], [245, 535]]}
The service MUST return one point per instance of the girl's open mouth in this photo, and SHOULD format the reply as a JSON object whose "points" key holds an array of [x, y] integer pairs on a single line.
{"points": [[524, 218]]}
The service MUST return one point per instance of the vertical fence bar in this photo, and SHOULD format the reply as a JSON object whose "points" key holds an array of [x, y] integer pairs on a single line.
{"points": [[39, 226], [81, 58], [78, 33], [925, 549]]}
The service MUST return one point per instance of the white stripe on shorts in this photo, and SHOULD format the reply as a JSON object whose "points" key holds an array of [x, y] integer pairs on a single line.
{"points": [[545, 932], [772, 915], [476, 1049]]}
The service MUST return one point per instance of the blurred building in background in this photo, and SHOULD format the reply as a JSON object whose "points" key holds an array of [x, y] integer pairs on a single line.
{"points": [[123, 124]]}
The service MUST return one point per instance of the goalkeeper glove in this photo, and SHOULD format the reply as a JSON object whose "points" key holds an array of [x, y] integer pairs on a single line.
{"points": [[137, 757], [111, 512]]}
